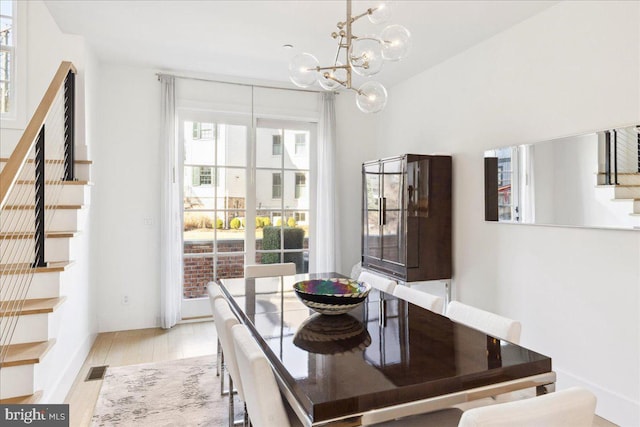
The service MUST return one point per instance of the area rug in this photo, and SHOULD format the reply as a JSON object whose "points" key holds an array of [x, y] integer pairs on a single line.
{"points": [[184, 392]]}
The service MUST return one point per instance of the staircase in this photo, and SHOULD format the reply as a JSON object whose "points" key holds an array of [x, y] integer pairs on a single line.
{"points": [[44, 198], [621, 176]]}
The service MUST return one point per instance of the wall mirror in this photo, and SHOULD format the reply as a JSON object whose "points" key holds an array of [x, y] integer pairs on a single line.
{"points": [[590, 180]]}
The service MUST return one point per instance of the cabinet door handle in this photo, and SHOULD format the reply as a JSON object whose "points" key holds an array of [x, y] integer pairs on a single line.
{"points": [[383, 217], [379, 210]]}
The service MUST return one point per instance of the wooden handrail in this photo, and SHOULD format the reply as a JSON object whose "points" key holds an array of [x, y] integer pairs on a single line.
{"points": [[9, 174]]}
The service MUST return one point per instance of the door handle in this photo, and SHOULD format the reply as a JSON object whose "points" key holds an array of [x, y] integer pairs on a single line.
{"points": [[383, 217]]}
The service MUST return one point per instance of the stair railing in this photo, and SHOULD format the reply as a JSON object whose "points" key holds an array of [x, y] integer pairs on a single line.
{"points": [[30, 187], [622, 153]]}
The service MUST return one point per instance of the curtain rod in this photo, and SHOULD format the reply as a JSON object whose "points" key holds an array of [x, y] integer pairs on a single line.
{"points": [[242, 84]]}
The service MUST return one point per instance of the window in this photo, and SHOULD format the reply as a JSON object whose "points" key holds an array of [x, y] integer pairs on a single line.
{"points": [[276, 186], [7, 58], [202, 175], [202, 131], [301, 143], [301, 184], [276, 147], [300, 216]]}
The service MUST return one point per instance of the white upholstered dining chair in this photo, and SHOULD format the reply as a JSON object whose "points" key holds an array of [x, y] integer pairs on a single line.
{"points": [[263, 399], [573, 407], [214, 293], [419, 298], [268, 270], [377, 281], [490, 323], [224, 320]]}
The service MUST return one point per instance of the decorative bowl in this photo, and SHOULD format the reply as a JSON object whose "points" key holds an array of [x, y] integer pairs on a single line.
{"points": [[332, 296], [332, 335]]}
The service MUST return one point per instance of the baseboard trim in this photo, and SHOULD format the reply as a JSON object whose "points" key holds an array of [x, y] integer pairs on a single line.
{"points": [[58, 393], [611, 406]]}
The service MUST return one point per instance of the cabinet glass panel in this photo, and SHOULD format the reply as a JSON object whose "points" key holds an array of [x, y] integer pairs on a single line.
{"points": [[392, 183], [392, 240], [372, 242]]}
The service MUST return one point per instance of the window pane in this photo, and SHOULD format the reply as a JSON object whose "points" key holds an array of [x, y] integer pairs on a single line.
{"points": [[198, 271], [197, 151], [296, 154], [230, 266], [231, 188], [231, 237], [200, 225], [6, 24], [197, 193], [232, 145], [268, 148], [5, 81]]}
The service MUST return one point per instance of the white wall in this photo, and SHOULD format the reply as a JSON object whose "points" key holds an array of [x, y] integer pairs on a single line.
{"points": [[571, 69], [126, 199]]}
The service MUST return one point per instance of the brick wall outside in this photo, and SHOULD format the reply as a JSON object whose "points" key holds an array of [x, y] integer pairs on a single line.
{"points": [[198, 271]]}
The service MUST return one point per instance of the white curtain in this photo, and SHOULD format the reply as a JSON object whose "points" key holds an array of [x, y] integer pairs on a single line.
{"points": [[327, 245], [170, 223]]}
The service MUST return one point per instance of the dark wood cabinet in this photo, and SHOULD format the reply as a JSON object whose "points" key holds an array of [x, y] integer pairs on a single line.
{"points": [[406, 227]]}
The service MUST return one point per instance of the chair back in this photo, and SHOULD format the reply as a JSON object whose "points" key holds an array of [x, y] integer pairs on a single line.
{"points": [[356, 270], [573, 407], [490, 323], [224, 320], [422, 299], [262, 396], [252, 271], [214, 293], [381, 283]]}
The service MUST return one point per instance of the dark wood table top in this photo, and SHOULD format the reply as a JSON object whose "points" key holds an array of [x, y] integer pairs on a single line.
{"points": [[340, 366]]}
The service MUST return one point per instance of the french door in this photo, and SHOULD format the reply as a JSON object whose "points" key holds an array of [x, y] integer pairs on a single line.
{"points": [[246, 191]]}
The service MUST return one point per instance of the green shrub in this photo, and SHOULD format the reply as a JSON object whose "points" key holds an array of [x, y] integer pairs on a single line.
{"points": [[266, 221], [291, 222], [293, 239], [235, 223], [219, 224], [279, 222]]}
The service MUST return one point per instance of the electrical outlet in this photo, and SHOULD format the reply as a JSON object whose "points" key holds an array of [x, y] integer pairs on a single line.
{"points": [[125, 299]]}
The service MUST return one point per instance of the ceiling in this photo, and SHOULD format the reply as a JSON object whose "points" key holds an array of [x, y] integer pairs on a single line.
{"points": [[245, 38]]}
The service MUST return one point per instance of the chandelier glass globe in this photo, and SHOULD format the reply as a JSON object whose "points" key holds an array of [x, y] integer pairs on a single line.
{"points": [[371, 97], [381, 14], [396, 42], [365, 55], [328, 83], [303, 70]]}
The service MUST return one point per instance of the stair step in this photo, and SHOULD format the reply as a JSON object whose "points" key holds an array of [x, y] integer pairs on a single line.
{"points": [[31, 306], [30, 235], [21, 268], [52, 161], [54, 182], [23, 400], [26, 354], [31, 207]]}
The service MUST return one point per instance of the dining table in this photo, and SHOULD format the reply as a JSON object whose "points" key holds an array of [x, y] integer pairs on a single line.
{"points": [[385, 359]]}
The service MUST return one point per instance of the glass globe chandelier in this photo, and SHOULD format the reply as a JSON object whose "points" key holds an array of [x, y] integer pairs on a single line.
{"points": [[363, 55]]}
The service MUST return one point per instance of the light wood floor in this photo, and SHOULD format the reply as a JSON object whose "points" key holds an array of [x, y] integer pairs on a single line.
{"points": [[144, 346], [131, 348]]}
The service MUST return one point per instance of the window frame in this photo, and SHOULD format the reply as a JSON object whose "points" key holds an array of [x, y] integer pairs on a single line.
{"points": [[16, 118]]}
